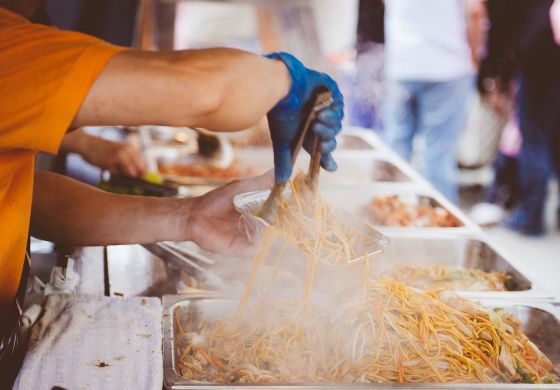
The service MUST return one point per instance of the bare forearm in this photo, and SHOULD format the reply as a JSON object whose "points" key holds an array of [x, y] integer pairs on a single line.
{"points": [[476, 14], [69, 212], [74, 142], [218, 89]]}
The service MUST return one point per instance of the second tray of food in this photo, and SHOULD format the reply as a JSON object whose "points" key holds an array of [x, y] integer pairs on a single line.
{"points": [[398, 206], [392, 335], [463, 263]]}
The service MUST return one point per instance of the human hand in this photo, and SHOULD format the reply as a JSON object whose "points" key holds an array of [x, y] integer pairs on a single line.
{"points": [[555, 21], [213, 222], [285, 118], [121, 158]]}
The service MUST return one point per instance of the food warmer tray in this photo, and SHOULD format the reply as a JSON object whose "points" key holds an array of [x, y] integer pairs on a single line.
{"points": [[459, 250], [354, 167], [348, 141], [356, 199], [541, 322], [413, 247]]}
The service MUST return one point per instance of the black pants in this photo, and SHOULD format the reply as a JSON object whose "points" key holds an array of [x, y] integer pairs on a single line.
{"points": [[12, 350]]}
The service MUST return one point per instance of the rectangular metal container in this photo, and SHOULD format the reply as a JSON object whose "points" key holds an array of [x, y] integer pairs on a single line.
{"points": [[355, 166], [413, 247], [540, 322], [355, 200], [355, 141], [422, 248], [364, 168]]}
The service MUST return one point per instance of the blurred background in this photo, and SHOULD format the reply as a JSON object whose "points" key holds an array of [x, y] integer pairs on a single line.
{"points": [[467, 91]]}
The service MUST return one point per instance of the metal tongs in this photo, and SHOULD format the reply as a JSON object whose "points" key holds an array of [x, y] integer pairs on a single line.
{"points": [[321, 98]]}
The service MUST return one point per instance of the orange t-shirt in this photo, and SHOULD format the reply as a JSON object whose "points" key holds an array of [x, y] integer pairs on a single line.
{"points": [[45, 75]]}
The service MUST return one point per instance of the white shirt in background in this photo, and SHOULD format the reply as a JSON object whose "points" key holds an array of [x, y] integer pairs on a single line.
{"points": [[426, 40]]}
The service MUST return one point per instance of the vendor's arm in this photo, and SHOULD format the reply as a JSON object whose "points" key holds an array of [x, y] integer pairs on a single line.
{"points": [[219, 89], [123, 158], [69, 212]]}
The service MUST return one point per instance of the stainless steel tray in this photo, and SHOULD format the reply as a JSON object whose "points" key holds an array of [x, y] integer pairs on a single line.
{"points": [[422, 248], [356, 199], [364, 168], [355, 165], [540, 322], [347, 141], [413, 247]]}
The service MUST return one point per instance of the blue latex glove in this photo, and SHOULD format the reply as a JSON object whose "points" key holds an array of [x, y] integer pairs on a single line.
{"points": [[285, 118]]}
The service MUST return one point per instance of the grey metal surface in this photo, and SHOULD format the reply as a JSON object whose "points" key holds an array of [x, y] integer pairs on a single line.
{"points": [[89, 265], [361, 168], [133, 271], [540, 322], [354, 167]]}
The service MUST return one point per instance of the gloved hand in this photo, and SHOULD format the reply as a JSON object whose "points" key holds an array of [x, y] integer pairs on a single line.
{"points": [[285, 118]]}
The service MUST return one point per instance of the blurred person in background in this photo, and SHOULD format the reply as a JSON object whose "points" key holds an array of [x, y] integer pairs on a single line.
{"points": [[524, 44], [364, 99], [430, 50], [503, 193]]}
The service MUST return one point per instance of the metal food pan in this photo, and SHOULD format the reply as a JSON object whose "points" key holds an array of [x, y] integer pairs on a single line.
{"points": [[365, 168], [162, 157], [353, 167], [413, 247], [357, 199], [347, 141], [540, 322], [423, 248]]}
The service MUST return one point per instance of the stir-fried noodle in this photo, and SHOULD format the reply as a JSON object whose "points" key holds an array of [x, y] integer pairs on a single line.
{"points": [[383, 332]]}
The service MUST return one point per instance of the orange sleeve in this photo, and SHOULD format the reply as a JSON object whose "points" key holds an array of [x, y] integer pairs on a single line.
{"points": [[45, 74]]}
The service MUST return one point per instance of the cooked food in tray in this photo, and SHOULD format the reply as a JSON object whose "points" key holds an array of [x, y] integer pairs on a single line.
{"points": [[205, 171], [395, 210], [443, 277], [370, 332], [386, 333]]}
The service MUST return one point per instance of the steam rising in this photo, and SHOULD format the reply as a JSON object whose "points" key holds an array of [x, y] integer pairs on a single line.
{"points": [[308, 314]]}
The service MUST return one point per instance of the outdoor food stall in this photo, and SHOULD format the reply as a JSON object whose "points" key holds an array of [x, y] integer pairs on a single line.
{"points": [[363, 277], [425, 300]]}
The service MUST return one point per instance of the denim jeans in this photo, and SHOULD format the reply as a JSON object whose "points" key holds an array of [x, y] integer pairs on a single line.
{"points": [[538, 108], [436, 111]]}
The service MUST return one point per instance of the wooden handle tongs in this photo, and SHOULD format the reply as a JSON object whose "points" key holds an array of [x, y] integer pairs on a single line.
{"points": [[321, 98]]}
